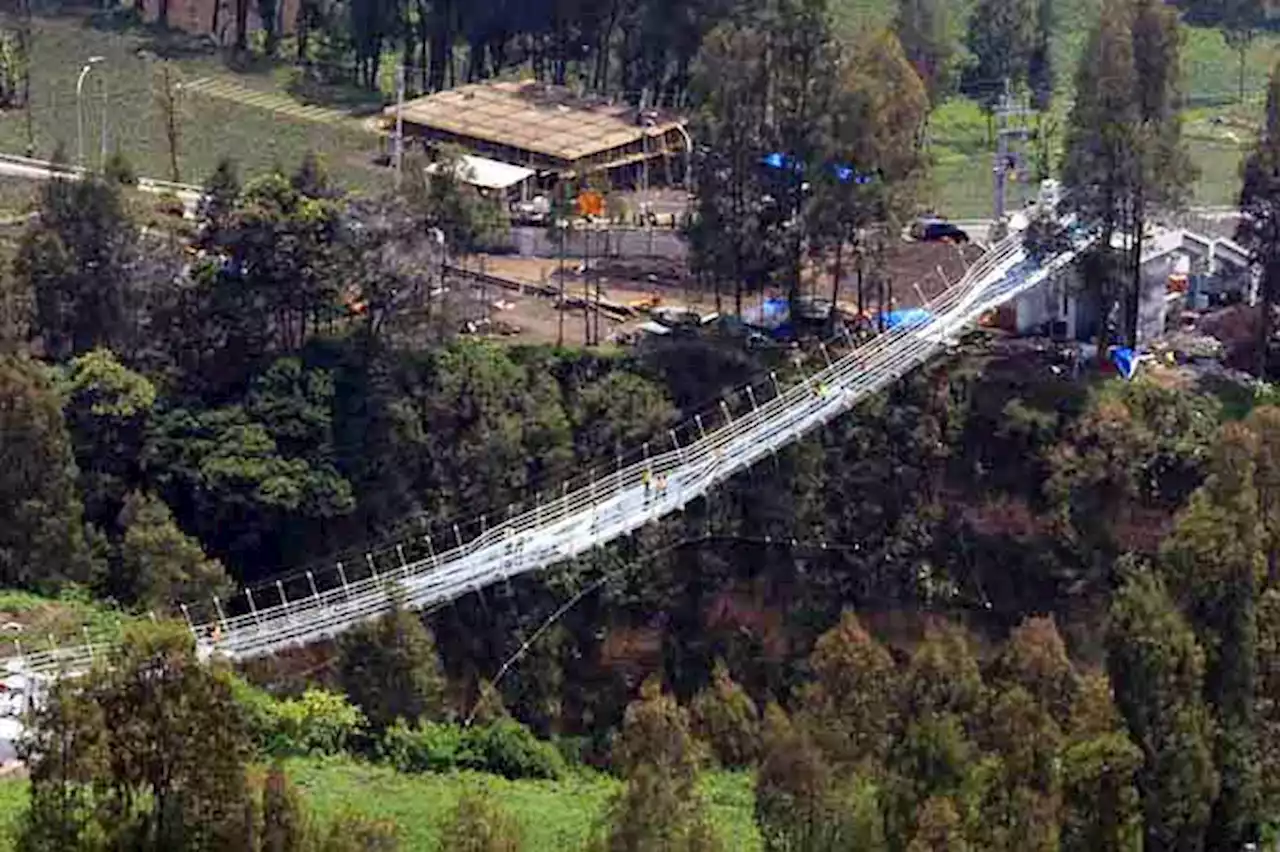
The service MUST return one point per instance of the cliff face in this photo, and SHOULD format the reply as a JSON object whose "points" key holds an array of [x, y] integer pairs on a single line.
{"points": [[197, 17]]}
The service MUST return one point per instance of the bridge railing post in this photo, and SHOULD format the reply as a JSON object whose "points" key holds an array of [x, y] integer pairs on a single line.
{"points": [[373, 569], [342, 575], [248, 593], [751, 395], [315, 593], [284, 600], [404, 563], [222, 617], [431, 550]]}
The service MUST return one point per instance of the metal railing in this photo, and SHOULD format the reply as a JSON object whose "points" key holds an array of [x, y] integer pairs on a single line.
{"points": [[613, 506]]}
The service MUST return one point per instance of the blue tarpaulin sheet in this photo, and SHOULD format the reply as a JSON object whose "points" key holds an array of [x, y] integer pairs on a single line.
{"points": [[1126, 361], [771, 314], [843, 173], [908, 317]]}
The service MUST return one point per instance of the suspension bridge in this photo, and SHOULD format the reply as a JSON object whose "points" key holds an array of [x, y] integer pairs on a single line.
{"points": [[612, 506]]}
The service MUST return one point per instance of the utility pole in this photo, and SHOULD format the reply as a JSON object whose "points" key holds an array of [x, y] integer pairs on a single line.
{"points": [[1007, 160]]}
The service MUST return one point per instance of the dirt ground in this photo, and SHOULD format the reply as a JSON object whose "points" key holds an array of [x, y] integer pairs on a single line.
{"points": [[917, 272]]}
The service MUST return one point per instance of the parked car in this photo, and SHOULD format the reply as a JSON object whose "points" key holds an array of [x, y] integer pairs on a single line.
{"points": [[938, 230]]}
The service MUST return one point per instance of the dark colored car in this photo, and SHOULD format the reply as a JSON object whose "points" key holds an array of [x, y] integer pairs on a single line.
{"points": [[937, 230]]}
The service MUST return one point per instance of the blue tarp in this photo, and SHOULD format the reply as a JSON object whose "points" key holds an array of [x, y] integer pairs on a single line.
{"points": [[908, 317], [770, 314], [1126, 361], [843, 173]]}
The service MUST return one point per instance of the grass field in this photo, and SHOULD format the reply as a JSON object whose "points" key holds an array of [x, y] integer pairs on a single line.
{"points": [[261, 138], [556, 816], [210, 128]]}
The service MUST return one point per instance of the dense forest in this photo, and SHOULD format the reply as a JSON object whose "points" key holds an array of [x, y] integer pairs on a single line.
{"points": [[1001, 604]]}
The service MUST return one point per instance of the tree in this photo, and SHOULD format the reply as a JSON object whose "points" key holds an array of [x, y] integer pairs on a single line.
{"points": [[220, 196], [617, 413], [850, 706], [1035, 658], [1214, 564], [729, 82], [924, 28], [1240, 21], [938, 828], [479, 824], [1097, 168], [943, 676], [1267, 700], [1020, 799], [1101, 808], [42, 541], [159, 565], [1158, 670], [1001, 38], [107, 407], [1042, 78], [659, 808], [1164, 168], [311, 179], [801, 804], [284, 826], [881, 110], [76, 257], [168, 99], [1259, 227], [725, 718], [149, 749], [390, 669]]}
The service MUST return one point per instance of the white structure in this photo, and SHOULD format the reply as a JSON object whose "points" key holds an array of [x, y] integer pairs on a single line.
{"points": [[483, 173]]}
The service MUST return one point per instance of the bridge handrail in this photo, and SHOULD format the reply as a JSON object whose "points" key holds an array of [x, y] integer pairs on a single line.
{"points": [[346, 604]]}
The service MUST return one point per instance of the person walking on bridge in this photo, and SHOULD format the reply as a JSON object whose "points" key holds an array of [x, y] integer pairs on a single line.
{"points": [[646, 478]]}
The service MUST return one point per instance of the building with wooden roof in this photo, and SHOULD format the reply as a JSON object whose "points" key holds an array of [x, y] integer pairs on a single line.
{"points": [[549, 129]]}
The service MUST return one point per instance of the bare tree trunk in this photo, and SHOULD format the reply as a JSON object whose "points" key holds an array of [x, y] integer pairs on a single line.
{"points": [[835, 286]]}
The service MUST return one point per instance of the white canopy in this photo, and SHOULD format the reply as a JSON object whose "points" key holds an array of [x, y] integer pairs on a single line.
{"points": [[486, 173]]}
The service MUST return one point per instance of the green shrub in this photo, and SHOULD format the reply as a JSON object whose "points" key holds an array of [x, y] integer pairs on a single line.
{"points": [[319, 722], [510, 749], [261, 713], [427, 747], [504, 747]]}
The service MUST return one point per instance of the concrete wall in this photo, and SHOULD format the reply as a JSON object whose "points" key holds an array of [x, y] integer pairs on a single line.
{"points": [[535, 242]]}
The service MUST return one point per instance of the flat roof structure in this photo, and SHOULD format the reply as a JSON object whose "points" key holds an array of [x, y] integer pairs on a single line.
{"points": [[486, 173], [541, 126]]}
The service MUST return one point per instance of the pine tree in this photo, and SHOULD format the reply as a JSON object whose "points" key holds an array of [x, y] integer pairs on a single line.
{"points": [[160, 566], [1157, 667], [479, 824], [1259, 229], [658, 755], [42, 540], [924, 28], [725, 718], [1035, 657], [850, 707], [1214, 564], [389, 668]]}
